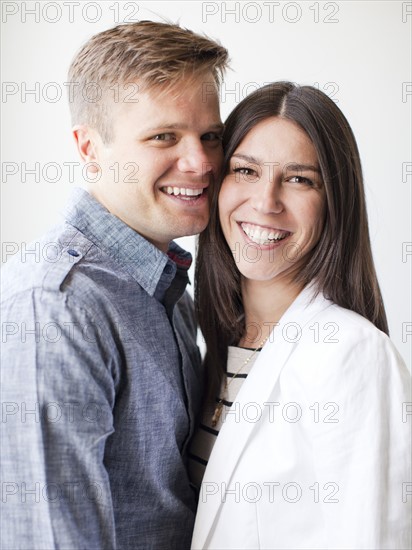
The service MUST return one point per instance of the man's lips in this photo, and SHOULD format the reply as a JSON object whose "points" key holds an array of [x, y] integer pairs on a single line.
{"points": [[263, 235], [185, 193]]}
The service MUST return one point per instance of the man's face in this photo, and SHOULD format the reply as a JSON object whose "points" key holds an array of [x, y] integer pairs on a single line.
{"points": [[164, 153]]}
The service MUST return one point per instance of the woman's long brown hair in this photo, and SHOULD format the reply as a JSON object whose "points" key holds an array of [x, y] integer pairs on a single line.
{"points": [[341, 263]]}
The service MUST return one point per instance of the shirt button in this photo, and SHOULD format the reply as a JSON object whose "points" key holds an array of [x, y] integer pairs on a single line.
{"points": [[73, 252], [168, 269]]}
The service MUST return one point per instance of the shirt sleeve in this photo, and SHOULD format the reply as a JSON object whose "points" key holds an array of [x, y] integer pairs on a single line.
{"points": [[58, 386], [362, 452]]}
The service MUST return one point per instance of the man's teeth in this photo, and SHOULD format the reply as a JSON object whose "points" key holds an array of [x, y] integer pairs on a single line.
{"points": [[183, 191], [263, 236]]}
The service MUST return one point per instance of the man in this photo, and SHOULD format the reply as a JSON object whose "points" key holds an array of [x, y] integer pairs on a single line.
{"points": [[101, 379]]}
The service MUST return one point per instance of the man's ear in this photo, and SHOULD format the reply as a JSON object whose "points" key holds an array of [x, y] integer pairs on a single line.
{"points": [[86, 141]]}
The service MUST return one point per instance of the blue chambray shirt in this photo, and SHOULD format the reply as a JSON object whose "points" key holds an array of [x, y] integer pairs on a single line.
{"points": [[101, 385]]}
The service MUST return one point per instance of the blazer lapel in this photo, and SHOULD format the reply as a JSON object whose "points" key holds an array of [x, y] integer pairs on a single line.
{"points": [[234, 433]]}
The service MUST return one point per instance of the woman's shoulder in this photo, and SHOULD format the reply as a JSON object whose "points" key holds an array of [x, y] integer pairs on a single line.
{"points": [[346, 321], [337, 343]]}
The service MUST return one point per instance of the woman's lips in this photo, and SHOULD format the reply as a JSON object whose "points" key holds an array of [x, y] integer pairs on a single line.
{"points": [[263, 235]]}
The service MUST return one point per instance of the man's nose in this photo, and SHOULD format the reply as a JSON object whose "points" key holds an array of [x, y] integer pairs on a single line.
{"points": [[196, 158]]}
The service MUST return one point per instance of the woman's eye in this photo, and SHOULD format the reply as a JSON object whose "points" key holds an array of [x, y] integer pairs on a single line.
{"points": [[163, 137], [301, 179], [244, 171]]}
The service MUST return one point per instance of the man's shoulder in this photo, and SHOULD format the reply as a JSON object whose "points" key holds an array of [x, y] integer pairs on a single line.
{"points": [[63, 261]]}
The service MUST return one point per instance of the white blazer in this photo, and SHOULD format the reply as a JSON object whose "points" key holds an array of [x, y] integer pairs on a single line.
{"points": [[315, 453]]}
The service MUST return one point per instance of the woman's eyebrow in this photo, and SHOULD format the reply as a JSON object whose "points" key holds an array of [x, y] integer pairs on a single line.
{"points": [[247, 158], [297, 167], [293, 166]]}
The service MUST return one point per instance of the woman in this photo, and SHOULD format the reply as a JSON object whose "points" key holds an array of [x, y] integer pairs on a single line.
{"points": [[314, 442]]}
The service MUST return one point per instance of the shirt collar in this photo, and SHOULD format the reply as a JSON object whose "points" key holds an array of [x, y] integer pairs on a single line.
{"points": [[142, 260]]}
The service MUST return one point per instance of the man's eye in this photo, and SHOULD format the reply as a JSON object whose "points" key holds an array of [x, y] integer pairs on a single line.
{"points": [[211, 136], [163, 137]]}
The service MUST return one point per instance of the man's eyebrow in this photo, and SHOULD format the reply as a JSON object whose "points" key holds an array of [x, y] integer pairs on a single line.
{"points": [[218, 126], [296, 167]]}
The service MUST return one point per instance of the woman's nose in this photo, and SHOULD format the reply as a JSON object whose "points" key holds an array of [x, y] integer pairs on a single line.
{"points": [[267, 198]]}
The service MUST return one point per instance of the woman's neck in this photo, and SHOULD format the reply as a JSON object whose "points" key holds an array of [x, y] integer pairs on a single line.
{"points": [[264, 304]]}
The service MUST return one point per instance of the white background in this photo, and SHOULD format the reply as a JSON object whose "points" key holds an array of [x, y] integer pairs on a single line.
{"points": [[357, 52]]}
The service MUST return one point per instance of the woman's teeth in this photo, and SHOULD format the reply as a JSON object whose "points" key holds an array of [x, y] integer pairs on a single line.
{"points": [[262, 236]]}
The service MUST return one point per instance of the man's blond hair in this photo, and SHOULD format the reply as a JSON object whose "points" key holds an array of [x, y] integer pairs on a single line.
{"points": [[157, 55]]}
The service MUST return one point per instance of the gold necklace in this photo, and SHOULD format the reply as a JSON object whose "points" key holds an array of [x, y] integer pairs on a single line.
{"points": [[219, 407]]}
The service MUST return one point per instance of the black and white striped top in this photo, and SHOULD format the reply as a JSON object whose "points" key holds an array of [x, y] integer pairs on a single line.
{"points": [[205, 436]]}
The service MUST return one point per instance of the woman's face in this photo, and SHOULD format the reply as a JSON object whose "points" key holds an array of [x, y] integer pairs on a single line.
{"points": [[271, 204]]}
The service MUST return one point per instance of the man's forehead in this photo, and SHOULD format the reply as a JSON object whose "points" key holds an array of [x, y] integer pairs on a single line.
{"points": [[180, 85], [158, 101]]}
